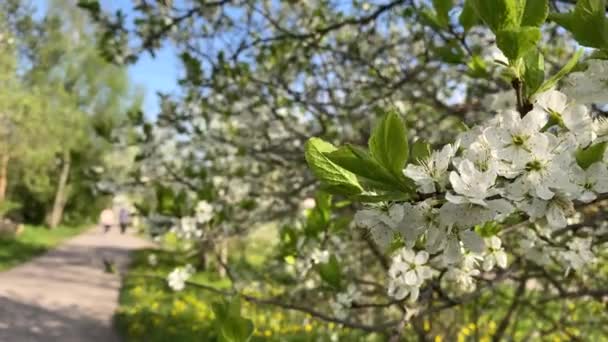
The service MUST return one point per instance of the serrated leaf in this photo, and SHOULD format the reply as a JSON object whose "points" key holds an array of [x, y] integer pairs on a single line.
{"points": [[361, 163], [534, 73], [552, 81], [515, 43], [590, 155], [498, 14], [335, 177], [388, 143]]}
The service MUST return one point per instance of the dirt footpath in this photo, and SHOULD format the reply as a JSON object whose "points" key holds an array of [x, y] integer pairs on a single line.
{"points": [[65, 295]]}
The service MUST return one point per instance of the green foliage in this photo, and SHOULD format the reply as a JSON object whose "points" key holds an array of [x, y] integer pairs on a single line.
{"points": [[379, 169], [587, 23], [552, 81], [420, 151], [498, 14], [231, 326], [31, 242], [477, 68], [388, 143], [534, 73], [87, 96], [361, 163], [331, 272], [515, 23], [468, 17], [7, 207], [535, 13], [590, 155], [439, 16], [488, 229], [150, 311], [335, 177], [516, 42]]}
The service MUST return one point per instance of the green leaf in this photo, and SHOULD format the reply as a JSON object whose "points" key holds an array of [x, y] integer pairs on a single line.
{"points": [[231, 326], [599, 54], [534, 73], [587, 23], [552, 81], [428, 17], [488, 229], [420, 151], [468, 17], [535, 13], [499, 14], [477, 67], [335, 177], [331, 272], [450, 53], [90, 5], [442, 8], [388, 143], [516, 42], [361, 163], [590, 155]]}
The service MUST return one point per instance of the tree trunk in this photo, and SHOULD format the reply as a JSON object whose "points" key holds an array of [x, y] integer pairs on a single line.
{"points": [[62, 192], [3, 175]]}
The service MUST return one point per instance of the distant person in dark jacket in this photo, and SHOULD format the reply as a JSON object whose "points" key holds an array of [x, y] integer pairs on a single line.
{"points": [[124, 219]]}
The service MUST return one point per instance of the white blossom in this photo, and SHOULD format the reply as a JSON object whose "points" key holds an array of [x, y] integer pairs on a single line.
{"points": [[513, 137], [470, 184], [413, 220], [407, 273], [431, 174], [204, 212], [589, 86], [579, 254], [178, 277], [496, 254], [319, 256], [344, 301], [590, 182]]}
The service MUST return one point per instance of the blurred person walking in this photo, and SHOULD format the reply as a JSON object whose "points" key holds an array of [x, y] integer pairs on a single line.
{"points": [[124, 219], [107, 219]]}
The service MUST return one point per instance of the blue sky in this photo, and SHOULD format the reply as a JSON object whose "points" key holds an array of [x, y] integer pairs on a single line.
{"points": [[157, 74]]}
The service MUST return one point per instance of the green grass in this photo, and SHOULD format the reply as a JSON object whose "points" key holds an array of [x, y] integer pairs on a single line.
{"points": [[33, 241], [150, 311]]}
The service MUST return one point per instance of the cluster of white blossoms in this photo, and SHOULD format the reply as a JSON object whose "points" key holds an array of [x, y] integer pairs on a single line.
{"points": [[187, 229], [191, 227], [513, 164], [344, 301], [178, 277]]}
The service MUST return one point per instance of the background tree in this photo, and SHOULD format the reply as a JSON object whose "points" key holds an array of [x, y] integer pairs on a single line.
{"points": [[66, 101]]}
